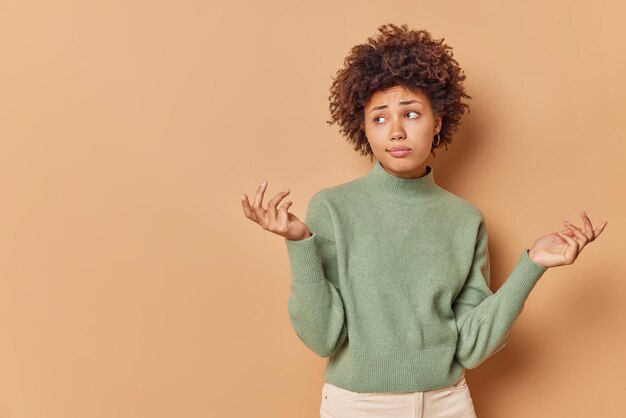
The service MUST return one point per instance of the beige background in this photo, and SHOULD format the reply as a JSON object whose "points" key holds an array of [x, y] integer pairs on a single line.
{"points": [[131, 284]]}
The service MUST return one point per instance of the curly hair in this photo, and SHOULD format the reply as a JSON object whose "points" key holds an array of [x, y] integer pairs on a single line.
{"points": [[397, 56]]}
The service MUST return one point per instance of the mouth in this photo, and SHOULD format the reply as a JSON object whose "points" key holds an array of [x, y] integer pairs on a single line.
{"points": [[399, 152]]}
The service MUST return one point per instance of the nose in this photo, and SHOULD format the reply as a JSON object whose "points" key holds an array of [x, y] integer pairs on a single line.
{"points": [[397, 130]]}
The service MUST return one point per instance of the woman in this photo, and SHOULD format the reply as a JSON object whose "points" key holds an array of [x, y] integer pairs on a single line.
{"points": [[390, 272]]}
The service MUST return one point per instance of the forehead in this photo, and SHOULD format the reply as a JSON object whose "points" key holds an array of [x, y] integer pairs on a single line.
{"points": [[396, 94]]}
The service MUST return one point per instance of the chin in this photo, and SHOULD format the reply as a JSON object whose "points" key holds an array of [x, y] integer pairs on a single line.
{"points": [[406, 163], [403, 165]]}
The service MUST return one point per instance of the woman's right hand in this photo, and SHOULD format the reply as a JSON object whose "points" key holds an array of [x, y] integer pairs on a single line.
{"points": [[275, 219]]}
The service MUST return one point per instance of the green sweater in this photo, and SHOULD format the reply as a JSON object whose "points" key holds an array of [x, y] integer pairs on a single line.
{"points": [[393, 284]]}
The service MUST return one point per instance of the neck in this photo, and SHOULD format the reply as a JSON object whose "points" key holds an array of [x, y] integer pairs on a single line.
{"points": [[381, 183]]}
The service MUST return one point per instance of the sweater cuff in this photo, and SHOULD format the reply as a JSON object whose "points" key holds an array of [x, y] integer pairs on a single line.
{"points": [[304, 260], [523, 278]]}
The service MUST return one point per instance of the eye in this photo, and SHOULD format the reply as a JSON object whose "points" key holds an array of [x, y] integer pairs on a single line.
{"points": [[378, 117], [413, 112]]}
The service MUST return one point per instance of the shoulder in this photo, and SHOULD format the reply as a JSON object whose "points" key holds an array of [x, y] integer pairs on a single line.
{"points": [[331, 195], [461, 207], [321, 213]]}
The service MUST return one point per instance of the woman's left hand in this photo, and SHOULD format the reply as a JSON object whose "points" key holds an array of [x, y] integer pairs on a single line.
{"points": [[563, 247]]}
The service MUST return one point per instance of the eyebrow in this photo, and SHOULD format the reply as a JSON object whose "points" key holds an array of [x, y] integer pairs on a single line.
{"points": [[406, 102]]}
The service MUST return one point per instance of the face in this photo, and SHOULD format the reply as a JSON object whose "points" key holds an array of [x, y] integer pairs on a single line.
{"points": [[400, 118]]}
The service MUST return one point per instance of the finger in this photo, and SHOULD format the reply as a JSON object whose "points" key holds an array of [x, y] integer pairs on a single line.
{"points": [[579, 234], [571, 241], [572, 251], [599, 229], [283, 214], [246, 207], [260, 192], [285, 206], [257, 204], [272, 211], [588, 226]]}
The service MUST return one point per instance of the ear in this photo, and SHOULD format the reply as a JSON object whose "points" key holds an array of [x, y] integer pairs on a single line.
{"points": [[438, 123]]}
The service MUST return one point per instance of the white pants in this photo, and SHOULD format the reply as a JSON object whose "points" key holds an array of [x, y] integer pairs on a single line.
{"points": [[449, 402]]}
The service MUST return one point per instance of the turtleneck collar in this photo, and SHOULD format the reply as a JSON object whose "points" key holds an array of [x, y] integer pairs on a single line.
{"points": [[380, 182]]}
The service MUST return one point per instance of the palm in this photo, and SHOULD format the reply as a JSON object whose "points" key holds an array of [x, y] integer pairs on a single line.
{"points": [[563, 247], [552, 250], [297, 228], [276, 219]]}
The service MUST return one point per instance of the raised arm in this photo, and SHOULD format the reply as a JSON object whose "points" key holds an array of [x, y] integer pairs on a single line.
{"points": [[484, 319], [315, 307]]}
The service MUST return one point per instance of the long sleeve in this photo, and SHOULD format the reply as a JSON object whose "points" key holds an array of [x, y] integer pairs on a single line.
{"points": [[484, 319], [315, 307]]}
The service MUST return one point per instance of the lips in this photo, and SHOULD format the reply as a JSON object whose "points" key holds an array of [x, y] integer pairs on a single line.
{"points": [[399, 152]]}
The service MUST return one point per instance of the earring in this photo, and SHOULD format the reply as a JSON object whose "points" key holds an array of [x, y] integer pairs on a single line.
{"points": [[438, 139]]}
